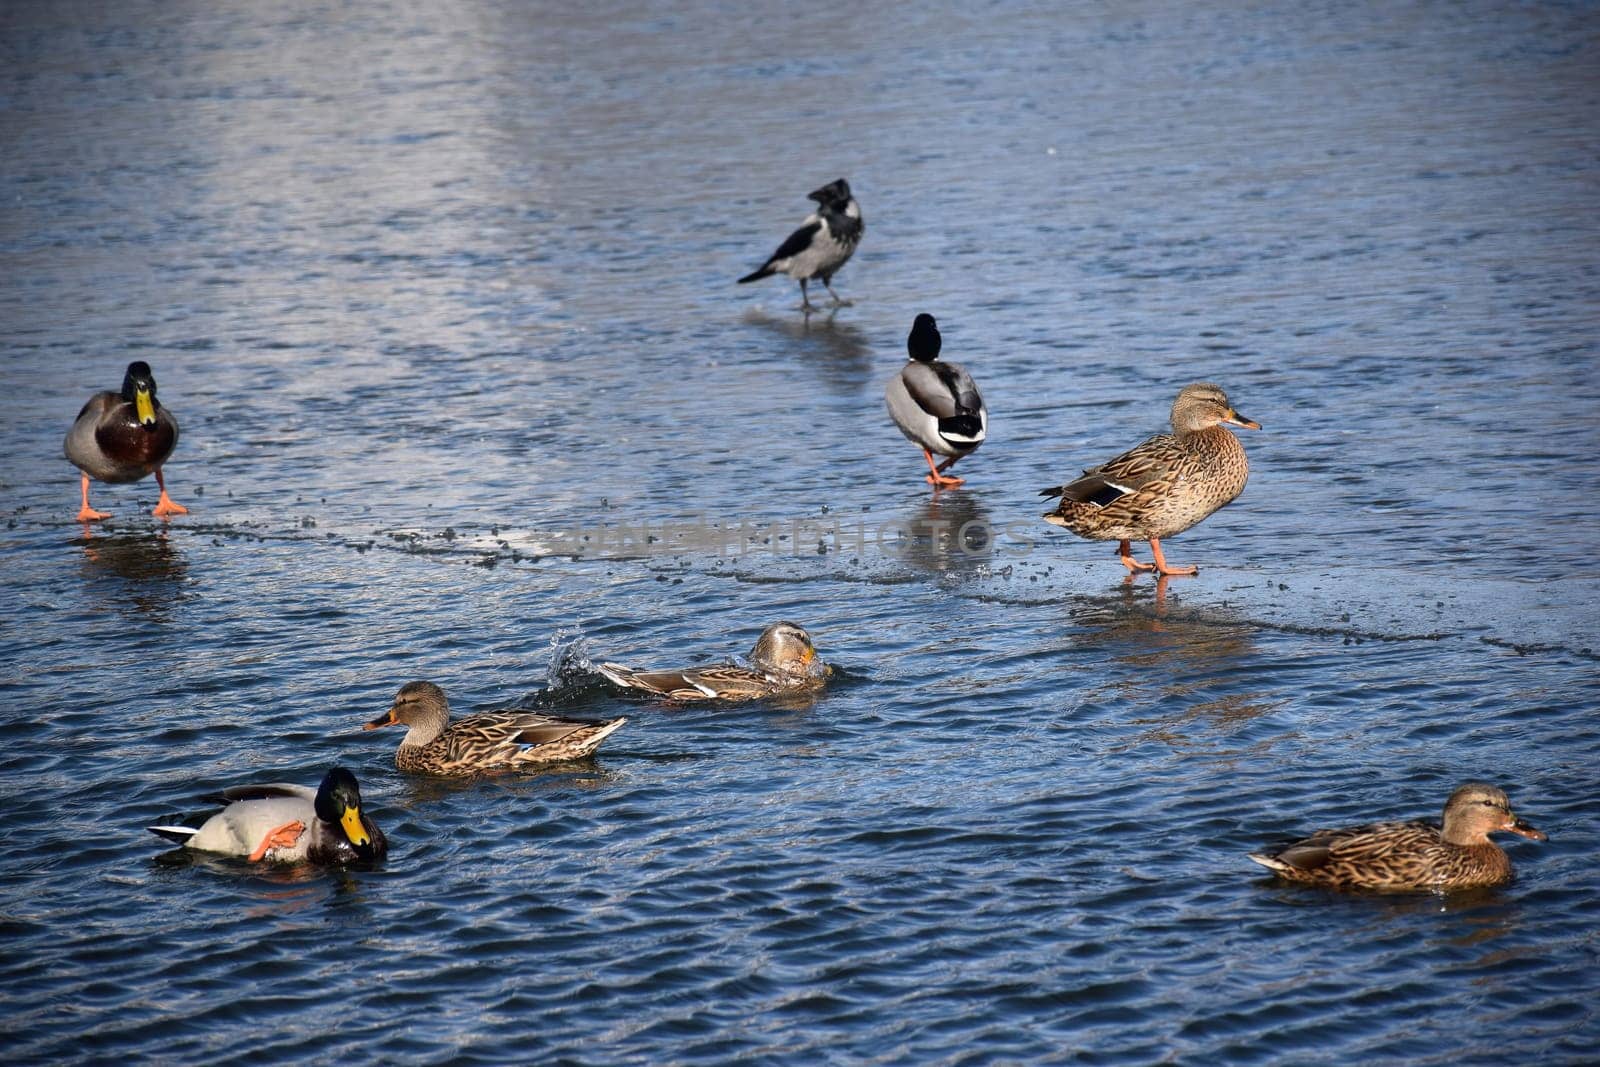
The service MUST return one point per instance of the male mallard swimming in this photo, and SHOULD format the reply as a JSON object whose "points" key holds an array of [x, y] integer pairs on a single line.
{"points": [[123, 437], [936, 405], [288, 823], [484, 743], [1163, 486], [783, 661], [823, 243], [1409, 855]]}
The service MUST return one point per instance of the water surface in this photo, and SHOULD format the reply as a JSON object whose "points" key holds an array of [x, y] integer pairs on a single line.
{"points": [[437, 295]]}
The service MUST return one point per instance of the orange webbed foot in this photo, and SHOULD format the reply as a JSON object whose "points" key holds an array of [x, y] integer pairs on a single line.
{"points": [[284, 836], [1125, 554], [165, 506], [1161, 566], [936, 476]]}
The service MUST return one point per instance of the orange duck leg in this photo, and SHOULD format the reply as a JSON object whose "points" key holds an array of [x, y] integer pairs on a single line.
{"points": [[1125, 554], [164, 506], [283, 837], [86, 513], [1161, 561], [936, 475]]}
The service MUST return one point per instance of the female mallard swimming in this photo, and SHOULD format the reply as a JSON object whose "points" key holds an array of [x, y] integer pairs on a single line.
{"points": [[123, 437], [1409, 855], [488, 742], [936, 405], [1163, 486], [783, 661], [288, 823]]}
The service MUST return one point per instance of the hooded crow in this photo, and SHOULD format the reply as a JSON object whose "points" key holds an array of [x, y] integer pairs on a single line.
{"points": [[822, 244]]}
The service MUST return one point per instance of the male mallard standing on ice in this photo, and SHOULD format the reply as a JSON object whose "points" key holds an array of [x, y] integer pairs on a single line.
{"points": [[823, 243], [1163, 486], [123, 437], [1398, 856], [936, 405]]}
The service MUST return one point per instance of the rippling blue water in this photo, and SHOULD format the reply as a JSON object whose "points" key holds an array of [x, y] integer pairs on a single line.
{"points": [[437, 295]]}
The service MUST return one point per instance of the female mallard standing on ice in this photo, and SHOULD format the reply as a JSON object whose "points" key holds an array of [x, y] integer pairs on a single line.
{"points": [[1163, 486], [123, 437], [936, 405]]}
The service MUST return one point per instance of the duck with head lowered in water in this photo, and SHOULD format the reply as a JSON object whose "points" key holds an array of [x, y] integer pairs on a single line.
{"points": [[783, 661]]}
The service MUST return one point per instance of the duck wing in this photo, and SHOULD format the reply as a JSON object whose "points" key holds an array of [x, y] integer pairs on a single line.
{"points": [[263, 791], [675, 685], [1373, 852], [98, 405], [239, 828], [499, 729], [1156, 459], [943, 390], [947, 393], [722, 682]]}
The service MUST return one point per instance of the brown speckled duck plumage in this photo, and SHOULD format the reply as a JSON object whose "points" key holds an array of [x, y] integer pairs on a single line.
{"points": [[1401, 856], [783, 661], [486, 743], [1164, 485]]}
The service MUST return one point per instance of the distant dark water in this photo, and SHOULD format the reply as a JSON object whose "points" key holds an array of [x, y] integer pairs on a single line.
{"points": [[438, 294]]}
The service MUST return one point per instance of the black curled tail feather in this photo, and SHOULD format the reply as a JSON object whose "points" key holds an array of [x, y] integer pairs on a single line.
{"points": [[961, 426]]}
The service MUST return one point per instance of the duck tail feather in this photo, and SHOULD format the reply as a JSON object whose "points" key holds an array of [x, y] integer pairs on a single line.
{"points": [[179, 834]]}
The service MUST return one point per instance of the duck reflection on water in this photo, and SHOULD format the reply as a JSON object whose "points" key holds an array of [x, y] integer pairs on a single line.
{"points": [[1190, 668], [142, 572], [946, 533]]}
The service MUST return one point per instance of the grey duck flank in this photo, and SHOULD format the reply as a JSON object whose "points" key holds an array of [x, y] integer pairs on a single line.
{"points": [[936, 404]]}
